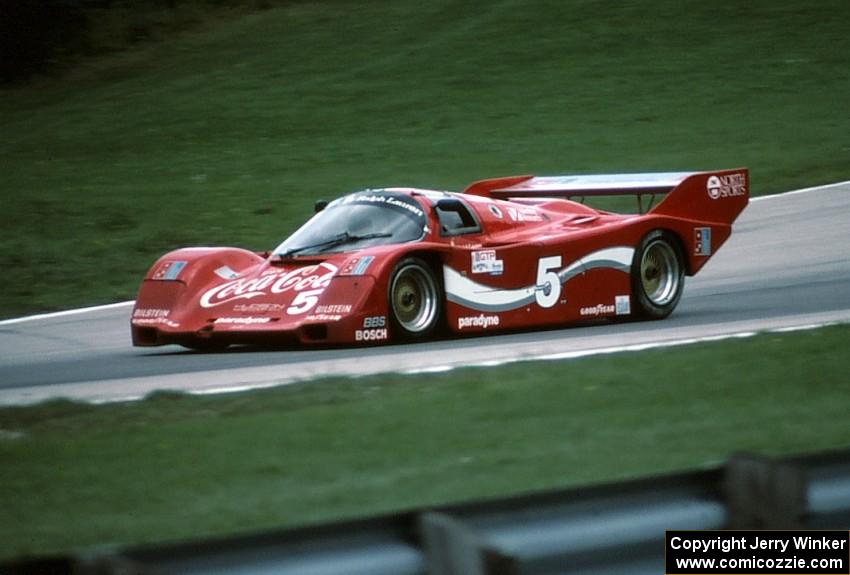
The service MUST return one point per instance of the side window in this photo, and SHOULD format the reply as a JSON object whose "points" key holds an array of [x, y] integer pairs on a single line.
{"points": [[455, 218]]}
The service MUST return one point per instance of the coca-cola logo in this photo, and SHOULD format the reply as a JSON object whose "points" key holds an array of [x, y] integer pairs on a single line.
{"points": [[308, 283]]}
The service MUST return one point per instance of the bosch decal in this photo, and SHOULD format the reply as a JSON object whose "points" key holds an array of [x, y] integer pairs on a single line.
{"points": [[374, 329], [370, 334]]}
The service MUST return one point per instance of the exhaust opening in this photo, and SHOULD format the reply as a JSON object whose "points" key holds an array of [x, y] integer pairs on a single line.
{"points": [[315, 331]]}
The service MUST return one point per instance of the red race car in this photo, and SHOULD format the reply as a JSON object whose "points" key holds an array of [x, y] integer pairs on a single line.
{"points": [[403, 263]]}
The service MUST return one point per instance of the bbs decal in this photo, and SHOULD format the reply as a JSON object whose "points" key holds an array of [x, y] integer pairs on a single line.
{"points": [[374, 322]]}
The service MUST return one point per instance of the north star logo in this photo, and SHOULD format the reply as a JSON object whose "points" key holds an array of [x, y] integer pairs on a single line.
{"points": [[312, 280], [726, 186]]}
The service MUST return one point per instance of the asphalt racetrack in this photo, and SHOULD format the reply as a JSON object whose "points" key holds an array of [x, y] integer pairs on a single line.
{"points": [[787, 265]]}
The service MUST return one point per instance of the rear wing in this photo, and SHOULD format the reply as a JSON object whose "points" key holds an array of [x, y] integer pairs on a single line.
{"points": [[707, 196]]}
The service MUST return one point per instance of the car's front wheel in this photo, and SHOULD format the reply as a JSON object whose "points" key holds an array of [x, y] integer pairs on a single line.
{"points": [[658, 275], [415, 299]]}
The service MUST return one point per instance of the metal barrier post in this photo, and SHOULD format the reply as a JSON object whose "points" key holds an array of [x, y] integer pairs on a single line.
{"points": [[453, 549], [762, 493]]}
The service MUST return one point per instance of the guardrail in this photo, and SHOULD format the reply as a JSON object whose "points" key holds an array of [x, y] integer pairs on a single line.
{"points": [[613, 528]]}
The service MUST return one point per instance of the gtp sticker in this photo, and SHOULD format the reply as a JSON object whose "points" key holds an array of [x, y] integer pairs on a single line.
{"points": [[485, 262]]}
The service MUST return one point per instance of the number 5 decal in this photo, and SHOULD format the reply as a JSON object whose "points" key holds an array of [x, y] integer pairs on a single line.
{"points": [[548, 288], [304, 301]]}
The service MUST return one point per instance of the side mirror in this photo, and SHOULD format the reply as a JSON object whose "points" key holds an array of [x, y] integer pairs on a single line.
{"points": [[320, 205]]}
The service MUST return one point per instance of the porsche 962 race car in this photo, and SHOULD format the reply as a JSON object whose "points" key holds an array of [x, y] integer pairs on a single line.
{"points": [[403, 263]]}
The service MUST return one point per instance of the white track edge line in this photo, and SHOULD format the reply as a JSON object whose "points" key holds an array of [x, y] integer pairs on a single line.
{"points": [[542, 357], [248, 387], [801, 191], [56, 314], [131, 302], [620, 349]]}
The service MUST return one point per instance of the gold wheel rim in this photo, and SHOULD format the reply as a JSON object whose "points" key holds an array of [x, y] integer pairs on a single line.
{"points": [[659, 273], [414, 298]]}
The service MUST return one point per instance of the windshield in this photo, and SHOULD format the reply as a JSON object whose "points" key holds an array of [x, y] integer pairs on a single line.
{"points": [[357, 221]]}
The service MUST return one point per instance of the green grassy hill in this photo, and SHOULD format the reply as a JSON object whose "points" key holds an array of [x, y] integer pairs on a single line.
{"points": [[226, 135]]}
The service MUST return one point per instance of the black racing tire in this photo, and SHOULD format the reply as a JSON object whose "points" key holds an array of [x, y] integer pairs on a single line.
{"points": [[658, 275], [415, 299]]}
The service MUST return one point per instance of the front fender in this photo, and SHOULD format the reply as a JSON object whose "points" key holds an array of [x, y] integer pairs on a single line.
{"points": [[180, 272]]}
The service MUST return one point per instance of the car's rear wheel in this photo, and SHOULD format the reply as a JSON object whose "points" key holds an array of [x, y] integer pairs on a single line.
{"points": [[658, 275], [415, 299]]}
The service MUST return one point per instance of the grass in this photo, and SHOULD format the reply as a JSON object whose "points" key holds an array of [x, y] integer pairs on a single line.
{"points": [[226, 135], [174, 466]]}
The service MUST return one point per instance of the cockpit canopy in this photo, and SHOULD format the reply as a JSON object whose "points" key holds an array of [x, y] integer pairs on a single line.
{"points": [[357, 221]]}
